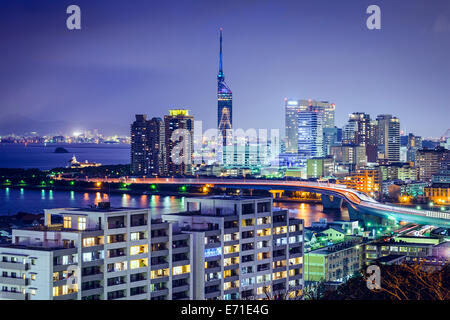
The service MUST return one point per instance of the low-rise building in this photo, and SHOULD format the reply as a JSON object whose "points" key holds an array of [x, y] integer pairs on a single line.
{"points": [[335, 263]]}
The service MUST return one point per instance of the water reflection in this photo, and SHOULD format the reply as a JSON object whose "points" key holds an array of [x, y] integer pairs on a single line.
{"points": [[35, 201]]}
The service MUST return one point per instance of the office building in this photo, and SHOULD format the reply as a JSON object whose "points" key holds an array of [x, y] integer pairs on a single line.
{"points": [[331, 137], [310, 136], [428, 161], [398, 171], [243, 248], [352, 155], [147, 146], [325, 110], [366, 180], [320, 167], [360, 130], [179, 134], [98, 253], [414, 144], [388, 138]]}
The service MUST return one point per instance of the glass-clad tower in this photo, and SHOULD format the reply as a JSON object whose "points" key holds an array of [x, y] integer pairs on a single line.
{"points": [[224, 99]]}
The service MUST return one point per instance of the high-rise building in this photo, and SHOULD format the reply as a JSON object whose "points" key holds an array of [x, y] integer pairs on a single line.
{"points": [[224, 100], [414, 144], [360, 131], [388, 138], [243, 249], [331, 137], [310, 135], [100, 253], [147, 146], [179, 144], [292, 107]]}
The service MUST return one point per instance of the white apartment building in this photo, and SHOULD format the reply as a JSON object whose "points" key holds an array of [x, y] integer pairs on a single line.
{"points": [[97, 253], [242, 248]]}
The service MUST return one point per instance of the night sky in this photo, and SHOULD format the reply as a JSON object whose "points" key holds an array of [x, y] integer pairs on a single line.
{"points": [[145, 56]]}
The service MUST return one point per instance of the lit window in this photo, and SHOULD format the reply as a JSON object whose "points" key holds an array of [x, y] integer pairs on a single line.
{"points": [[88, 242], [134, 250], [68, 222], [81, 223]]}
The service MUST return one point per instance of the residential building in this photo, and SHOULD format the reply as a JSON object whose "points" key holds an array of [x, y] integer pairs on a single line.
{"points": [[243, 248], [428, 161], [98, 253], [147, 146], [365, 180], [334, 263]]}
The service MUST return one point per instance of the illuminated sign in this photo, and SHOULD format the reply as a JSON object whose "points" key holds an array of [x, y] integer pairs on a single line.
{"points": [[292, 103], [212, 252]]}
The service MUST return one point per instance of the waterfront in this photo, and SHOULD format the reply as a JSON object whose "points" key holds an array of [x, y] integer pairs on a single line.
{"points": [[14, 200], [43, 157]]}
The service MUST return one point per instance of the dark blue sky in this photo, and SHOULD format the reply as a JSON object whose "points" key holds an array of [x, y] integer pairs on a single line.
{"points": [[145, 56]]}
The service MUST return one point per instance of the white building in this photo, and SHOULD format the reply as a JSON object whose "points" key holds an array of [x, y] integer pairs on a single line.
{"points": [[97, 253], [242, 248]]}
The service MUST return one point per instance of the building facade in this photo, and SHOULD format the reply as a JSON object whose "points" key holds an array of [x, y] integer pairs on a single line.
{"points": [[388, 138], [147, 146], [98, 253], [179, 142], [243, 248]]}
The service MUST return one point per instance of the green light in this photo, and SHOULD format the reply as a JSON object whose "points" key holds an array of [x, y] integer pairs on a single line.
{"points": [[442, 208], [153, 186], [369, 224], [72, 183], [418, 207], [51, 182], [431, 204], [183, 188]]}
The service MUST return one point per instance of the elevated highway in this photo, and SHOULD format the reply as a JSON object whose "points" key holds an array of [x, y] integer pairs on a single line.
{"points": [[360, 205]]}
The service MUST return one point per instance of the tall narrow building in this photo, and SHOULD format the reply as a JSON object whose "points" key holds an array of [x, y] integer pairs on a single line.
{"points": [[147, 146], [224, 99], [388, 138], [179, 147]]}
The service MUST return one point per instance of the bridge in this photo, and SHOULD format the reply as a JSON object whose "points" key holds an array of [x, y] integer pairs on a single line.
{"points": [[360, 206]]}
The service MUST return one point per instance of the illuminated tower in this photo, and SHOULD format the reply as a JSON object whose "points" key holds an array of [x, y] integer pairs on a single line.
{"points": [[224, 99]]}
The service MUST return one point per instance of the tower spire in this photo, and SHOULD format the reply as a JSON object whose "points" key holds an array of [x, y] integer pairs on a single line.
{"points": [[220, 76]]}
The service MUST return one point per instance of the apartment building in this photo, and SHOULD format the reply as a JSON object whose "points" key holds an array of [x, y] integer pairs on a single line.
{"points": [[333, 263], [242, 248], [97, 253], [411, 249]]}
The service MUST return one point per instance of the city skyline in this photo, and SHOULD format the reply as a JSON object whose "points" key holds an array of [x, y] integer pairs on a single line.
{"points": [[372, 71]]}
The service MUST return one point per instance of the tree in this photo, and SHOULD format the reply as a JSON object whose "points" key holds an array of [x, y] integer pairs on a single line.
{"points": [[398, 282]]}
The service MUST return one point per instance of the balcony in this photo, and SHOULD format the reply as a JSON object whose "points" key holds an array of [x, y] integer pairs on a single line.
{"points": [[13, 295], [14, 281], [14, 266]]}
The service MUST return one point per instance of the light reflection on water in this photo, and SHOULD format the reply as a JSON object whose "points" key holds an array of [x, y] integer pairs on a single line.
{"points": [[35, 201]]}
